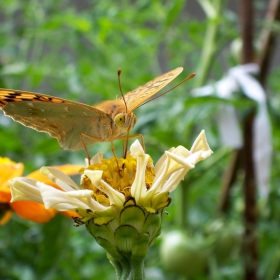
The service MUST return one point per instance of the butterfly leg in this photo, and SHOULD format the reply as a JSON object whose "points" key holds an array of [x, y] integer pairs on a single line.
{"points": [[113, 147], [82, 135], [141, 138], [133, 136]]}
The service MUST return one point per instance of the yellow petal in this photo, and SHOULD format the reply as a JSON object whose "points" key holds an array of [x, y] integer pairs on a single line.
{"points": [[8, 171], [5, 196], [70, 214], [33, 211], [6, 217]]}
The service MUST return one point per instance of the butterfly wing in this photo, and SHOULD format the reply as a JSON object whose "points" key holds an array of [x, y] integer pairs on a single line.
{"points": [[63, 119], [141, 94]]}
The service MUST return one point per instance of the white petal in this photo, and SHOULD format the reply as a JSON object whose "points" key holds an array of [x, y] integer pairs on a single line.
{"points": [[115, 197], [200, 143], [173, 181], [59, 178], [160, 163], [80, 193], [136, 149], [138, 188], [95, 159], [61, 201], [180, 150], [159, 181], [94, 176], [24, 189], [181, 162]]}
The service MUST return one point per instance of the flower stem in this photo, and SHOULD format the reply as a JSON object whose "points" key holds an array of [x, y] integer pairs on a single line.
{"points": [[137, 271], [181, 207], [122, 267], [209, 47]]}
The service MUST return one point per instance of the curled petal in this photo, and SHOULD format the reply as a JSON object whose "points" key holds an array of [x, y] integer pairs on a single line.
{"points": [[136, 149], [200, 144], [180, 150], [160, 162], [94, 176], [181, 162], [80, 193], [59, 178], [62, 201], [95, 159], [159, 180], [25, 189], [115, 197], [138, 188], [173, 181]]}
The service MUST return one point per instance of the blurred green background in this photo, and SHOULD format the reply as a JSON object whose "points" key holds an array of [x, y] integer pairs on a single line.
{"points": [[72, 50]]}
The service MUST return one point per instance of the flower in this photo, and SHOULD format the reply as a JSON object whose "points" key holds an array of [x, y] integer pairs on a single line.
{"points": [[120, 200], [30, 210], [107, 186]]}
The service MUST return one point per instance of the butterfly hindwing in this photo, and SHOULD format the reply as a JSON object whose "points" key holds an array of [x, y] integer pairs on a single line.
{"points": [[62, 119]]}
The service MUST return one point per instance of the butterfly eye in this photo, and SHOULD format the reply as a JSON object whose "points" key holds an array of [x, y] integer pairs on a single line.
{"points": [[119, 119]]}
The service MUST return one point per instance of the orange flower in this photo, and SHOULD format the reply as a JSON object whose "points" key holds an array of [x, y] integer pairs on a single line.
{"points": [[29, 210]]}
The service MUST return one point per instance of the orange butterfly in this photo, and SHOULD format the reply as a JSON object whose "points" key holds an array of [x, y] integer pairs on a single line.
{"points": [[76, 125]]}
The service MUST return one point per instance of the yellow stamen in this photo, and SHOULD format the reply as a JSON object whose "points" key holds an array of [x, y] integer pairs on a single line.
{"points": [[119, 177]]}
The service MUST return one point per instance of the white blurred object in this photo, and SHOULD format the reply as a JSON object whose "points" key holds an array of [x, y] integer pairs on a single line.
{"points": [[240, 77]]}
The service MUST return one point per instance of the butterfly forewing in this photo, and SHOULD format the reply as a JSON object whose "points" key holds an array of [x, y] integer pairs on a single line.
{"points": [[135, 98]]}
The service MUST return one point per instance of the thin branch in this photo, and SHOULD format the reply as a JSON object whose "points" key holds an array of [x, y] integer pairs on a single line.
{"points": [[249, 185], [268, 39]]}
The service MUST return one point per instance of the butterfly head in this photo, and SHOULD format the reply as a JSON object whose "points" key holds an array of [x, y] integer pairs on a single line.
{"points": [[125, 120]]}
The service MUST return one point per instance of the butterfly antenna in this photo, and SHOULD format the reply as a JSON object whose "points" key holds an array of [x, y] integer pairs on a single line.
{"points": [[188, 78], [126, 110], [120, 87]]}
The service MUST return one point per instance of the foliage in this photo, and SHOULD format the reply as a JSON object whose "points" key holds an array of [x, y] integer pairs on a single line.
{"points": [[73, 50]]}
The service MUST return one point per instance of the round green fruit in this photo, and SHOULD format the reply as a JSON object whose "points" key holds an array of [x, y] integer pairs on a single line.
{"points": [[183, 254]]}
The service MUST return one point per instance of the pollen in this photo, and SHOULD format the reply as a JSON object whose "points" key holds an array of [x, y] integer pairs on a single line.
{"points": [[119, 174]]}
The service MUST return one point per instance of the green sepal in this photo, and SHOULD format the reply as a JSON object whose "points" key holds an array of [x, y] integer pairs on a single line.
{"points": [[153, 224], [140, 246], [102, 220], [161, 200], [101, 232], [124, 237], [111, 250], [128, 236], [133, 216]]}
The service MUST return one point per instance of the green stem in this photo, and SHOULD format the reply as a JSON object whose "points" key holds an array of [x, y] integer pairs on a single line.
{"points": [[209, 46], [137, 271], [122, 267], [273, 268], [181, 215], [128, 269], [117, 266]]}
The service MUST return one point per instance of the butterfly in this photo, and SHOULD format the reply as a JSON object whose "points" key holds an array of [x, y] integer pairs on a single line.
{"points": [[77, 125]]}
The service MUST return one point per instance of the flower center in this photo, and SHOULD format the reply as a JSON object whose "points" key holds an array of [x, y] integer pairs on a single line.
{"points": [[119, 176]]}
